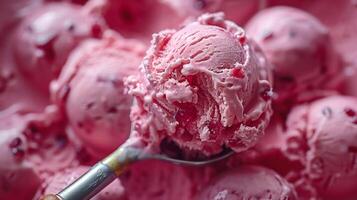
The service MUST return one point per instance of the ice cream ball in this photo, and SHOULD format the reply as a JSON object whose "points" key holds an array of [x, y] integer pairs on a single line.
{"points": [[300, 49], [91, 92], [44, 39], [202, 87]]}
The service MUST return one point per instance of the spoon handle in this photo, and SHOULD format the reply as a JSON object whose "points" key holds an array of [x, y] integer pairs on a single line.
{"points": [[98, 176]]}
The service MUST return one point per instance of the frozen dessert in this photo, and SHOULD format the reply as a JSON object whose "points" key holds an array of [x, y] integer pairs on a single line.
{"points": [[137, 19], [248, 182], [55, 184], [202, 88], [300, 48], [315, 149], [156, 178], [90, 90], [205, 87], [332, 139], [46, 37]]}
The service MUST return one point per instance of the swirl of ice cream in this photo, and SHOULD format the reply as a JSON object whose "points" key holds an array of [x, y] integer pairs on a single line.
{"points": [[203, 88]]}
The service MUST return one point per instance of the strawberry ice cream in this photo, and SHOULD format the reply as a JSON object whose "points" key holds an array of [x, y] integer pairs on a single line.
{"points": [[205, 87], [248, 182], [300, 49], [316, 151], [202, 89], [46, 37], [56, 183], [90, 90]]}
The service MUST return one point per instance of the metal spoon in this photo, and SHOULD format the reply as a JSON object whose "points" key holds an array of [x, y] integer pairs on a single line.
{"points": [[107, 170]]}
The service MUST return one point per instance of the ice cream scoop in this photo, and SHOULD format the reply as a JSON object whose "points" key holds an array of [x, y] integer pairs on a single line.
{"points": [[46, 37], [300, 49], [203, 88], [248, 182], [314, 149], [90, 90]]}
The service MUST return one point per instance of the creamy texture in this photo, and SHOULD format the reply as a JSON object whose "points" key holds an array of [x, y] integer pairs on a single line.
{"points": [[90, 90], [248, 182], [46, 37], [202, 88], [315, 149], [300, 48]]}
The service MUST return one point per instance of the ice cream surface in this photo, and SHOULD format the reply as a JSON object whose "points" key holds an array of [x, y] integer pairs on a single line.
{"points": [[314, 149], [301, 51], [202, 88], [46, 37], [248, 182], [90, 90]]}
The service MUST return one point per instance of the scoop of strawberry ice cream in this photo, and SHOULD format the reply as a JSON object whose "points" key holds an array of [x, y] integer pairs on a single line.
{"points": [[18, 178], [332, 138], [248, 182], [90, 90], [202, 88], [315, 148], [300, 48], [46, 37], [60, 180]]}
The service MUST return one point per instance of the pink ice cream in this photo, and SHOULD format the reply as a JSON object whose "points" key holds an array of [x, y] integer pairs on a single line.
{"points": [[137, 19], [301, 51], [332, 138], [203, 88], [46, 37], [160, 180], [55, 184], [317, 149], [90, 90], [248, 182]]}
